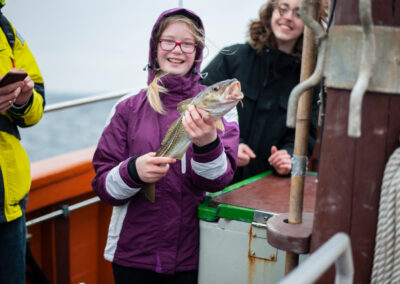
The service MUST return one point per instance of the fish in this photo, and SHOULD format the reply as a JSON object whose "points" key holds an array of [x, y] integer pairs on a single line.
{"points": [[217, 99]]}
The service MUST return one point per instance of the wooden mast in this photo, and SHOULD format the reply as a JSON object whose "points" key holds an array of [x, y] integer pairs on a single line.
{"points": [[351, 169]]}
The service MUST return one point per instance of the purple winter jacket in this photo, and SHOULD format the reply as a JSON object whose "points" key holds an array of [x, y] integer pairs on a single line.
{"points": [[161, 236]]}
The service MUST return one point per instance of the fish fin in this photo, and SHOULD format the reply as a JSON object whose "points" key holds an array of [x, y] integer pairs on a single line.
{"points": [[149, 190], [174, 140], [171, 131], [219, 124], [182, 106]]}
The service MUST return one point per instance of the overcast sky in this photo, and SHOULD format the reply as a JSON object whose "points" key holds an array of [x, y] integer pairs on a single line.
{"points": [[95, 46]]}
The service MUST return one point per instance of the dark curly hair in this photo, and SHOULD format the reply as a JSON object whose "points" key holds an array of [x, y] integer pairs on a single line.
{"points": [[260, 32]]}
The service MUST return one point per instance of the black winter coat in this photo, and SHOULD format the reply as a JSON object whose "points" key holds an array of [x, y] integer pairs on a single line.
{"points": [[267, 79]]}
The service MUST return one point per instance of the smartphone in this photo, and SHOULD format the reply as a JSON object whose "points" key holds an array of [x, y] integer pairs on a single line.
{"points": [[12, 77]]}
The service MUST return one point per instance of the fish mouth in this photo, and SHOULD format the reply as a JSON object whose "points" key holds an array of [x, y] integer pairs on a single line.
{"points": [[234, 91]]}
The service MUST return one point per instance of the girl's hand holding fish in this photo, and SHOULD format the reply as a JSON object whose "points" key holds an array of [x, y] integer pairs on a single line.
{"points": [[200, 126], [151, 169]]}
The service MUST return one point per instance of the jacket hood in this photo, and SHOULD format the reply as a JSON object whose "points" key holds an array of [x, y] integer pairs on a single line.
{"points": [[195, 72]]}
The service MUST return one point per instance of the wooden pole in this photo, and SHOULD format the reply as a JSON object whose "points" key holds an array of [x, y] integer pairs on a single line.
{"points": [[302, 131]]}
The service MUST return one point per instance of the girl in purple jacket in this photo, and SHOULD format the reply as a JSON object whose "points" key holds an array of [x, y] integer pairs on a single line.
{"points": [[159, 242]]}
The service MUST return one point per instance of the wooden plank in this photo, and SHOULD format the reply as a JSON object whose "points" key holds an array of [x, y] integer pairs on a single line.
{"points": [[347, 13], [60, 178], [369, 164], [396, 13], [335, 179], [105, 274], [62, 248], [270, 193], [393, 132], [351, 173], [47, 244], [336, 171], [84, 237], [382, 12]]}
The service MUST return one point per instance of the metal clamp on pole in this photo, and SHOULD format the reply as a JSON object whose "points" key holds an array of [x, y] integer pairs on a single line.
{"points": [[299, 165], [65, 210], [365, 72]]}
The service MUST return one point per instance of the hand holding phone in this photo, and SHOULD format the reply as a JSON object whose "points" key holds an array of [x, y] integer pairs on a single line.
{"points": [[8, 93], [13, 76]]}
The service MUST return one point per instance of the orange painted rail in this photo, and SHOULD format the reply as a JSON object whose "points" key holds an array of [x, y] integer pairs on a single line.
{"points": [[60, 178], [69, 248]]}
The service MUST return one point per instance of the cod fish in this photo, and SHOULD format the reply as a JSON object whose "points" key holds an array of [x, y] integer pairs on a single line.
{"points": [[217, 99]]}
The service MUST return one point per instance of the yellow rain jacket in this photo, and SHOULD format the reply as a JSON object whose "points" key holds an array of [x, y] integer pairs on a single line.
{"points": [[15, 179]]}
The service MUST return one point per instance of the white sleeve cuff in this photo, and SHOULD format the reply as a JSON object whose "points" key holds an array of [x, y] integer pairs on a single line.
{"points": [[211, 170], [116, 187]]}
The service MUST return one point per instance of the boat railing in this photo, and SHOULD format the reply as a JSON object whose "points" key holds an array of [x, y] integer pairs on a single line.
{"points": [[86, 100], [66, 105], [60, 186], [336, 250], [65, 210]]}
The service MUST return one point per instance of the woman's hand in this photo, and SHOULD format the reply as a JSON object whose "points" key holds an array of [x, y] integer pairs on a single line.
{"points": [[151, 168], [26, 91], [200, 126], [244, 155], [280, 160], [9, 94]]}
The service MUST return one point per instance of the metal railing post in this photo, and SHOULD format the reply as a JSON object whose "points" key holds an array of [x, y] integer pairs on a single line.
{"points": [[336, 250]]}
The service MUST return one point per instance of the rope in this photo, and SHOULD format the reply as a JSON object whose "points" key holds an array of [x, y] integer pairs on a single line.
{"points": [[386, 267]]}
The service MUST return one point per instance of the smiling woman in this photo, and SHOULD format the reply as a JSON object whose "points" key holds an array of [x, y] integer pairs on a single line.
{"points": [[268, 67], [176, 48], [125, 161], [173, 61], [286, 24]]}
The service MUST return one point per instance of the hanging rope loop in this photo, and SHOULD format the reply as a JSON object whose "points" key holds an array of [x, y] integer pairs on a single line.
{"points": [[386, 267]]}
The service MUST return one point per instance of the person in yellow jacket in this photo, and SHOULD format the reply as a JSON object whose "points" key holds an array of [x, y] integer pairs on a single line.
{"points": [[21, 105]]}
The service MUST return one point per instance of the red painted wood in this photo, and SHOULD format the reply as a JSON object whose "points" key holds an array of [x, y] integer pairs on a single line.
{"points": [[62, 249], [68, 250], [270, 193], [351, 169], [351, 175], [394, 123], [336, 171], [105, 274], [293, 238], [347, 13], [396, 13], [369, 163]]}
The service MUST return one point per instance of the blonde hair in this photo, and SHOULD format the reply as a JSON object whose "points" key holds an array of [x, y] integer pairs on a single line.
{"points": [[155, 87]]}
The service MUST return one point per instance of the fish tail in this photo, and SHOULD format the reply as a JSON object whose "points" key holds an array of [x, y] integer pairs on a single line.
{"points": [[149, 190]]}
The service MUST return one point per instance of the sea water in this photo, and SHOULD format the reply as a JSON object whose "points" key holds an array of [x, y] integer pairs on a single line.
{"points": [[66, 130]]}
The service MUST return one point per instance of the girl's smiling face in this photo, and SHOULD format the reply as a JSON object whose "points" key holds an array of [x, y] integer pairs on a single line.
{"points": [[286, 23], [175, 61]]}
